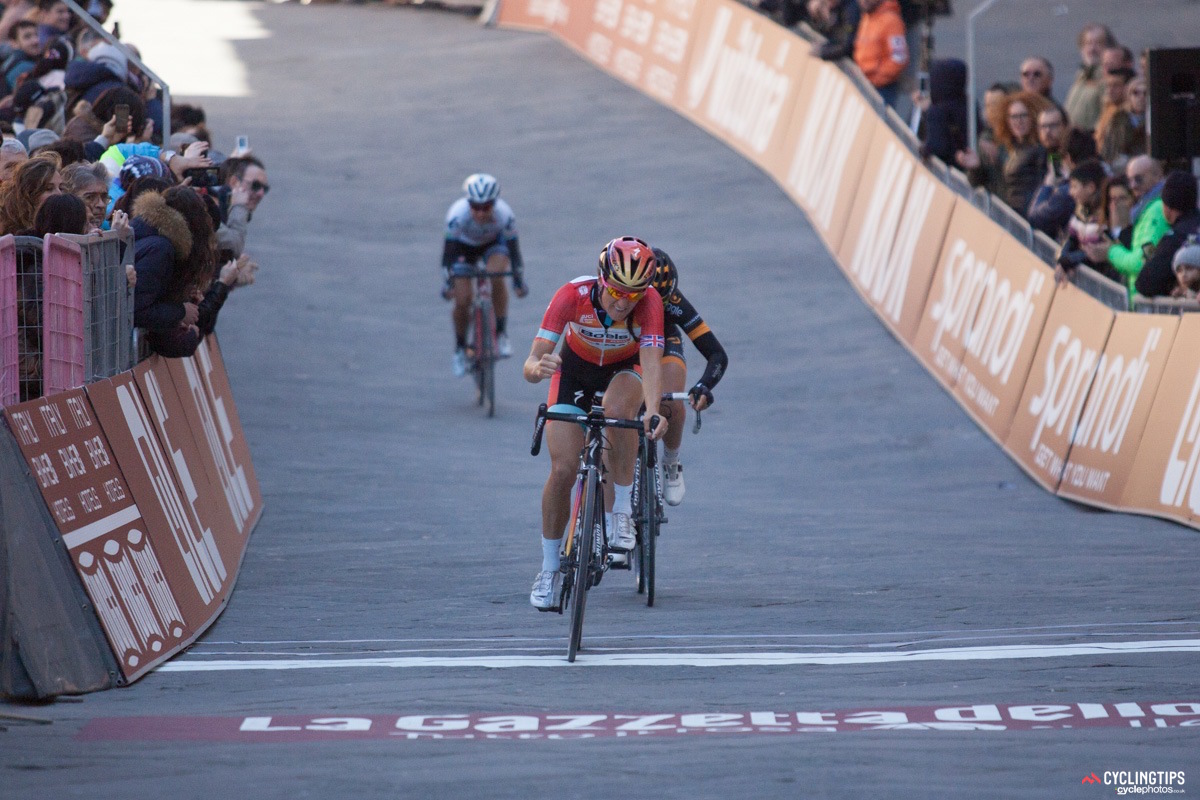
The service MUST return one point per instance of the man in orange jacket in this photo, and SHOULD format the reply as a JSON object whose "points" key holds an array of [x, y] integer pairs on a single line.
{"points": [[880, 47]]}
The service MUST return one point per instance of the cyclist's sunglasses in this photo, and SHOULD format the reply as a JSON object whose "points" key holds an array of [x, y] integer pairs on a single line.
{"points": [[259, 186], [622, 294], [483, 206]]}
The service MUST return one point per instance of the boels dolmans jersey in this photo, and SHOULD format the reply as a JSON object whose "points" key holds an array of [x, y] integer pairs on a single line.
{"points": [[571, 311]]}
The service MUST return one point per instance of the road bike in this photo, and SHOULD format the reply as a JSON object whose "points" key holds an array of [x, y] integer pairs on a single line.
{"points": [[481, 336], [648, 509], [585, 554]]}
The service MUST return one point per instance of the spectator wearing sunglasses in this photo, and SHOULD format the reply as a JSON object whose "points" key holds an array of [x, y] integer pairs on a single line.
{"points": [[1147, 219], [1037, 77], [246, 179], [480, 227]]}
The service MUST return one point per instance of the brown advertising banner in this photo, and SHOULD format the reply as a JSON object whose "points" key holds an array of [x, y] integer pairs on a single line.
{"points": [[894, 233], [742, 80], [102, 527], [967, 255], [1060, 378], [536, 15], [1117, 409], [1164, 480], [1006, 321], [827, 142], [643, 42], [207, 402], [200, 573]]}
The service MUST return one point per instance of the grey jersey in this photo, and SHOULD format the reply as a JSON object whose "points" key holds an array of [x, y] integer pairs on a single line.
{"points": [[462, 227]]}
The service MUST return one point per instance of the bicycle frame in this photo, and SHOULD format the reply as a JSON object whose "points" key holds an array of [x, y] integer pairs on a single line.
{"points": [[482, 333]]}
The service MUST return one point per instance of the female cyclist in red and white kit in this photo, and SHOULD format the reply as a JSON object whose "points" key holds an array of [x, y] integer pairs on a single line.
{"points": [[611, 327]]}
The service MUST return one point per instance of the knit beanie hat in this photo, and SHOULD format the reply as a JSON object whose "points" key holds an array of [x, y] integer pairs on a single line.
{"points": [[1179, 191], [140, 167]]}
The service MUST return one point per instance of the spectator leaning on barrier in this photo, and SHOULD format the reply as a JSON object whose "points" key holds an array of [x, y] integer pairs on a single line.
{"points": [[1086, 226], [1052, 206], [880, 46], [1085, 99], [59, 213], [1013, 168], [1179, 209], [89, 182], [1149, 224], [176, 299]]}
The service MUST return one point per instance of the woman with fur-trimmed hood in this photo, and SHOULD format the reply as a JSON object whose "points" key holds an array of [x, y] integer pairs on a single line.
{"points": [[174, 255]]}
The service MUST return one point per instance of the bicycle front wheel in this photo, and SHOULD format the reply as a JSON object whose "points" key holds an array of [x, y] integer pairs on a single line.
{"points": [[585, 540], [649, 532]]}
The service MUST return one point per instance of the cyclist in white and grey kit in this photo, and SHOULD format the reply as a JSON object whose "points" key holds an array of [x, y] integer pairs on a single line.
{"points": [[480, 227]]}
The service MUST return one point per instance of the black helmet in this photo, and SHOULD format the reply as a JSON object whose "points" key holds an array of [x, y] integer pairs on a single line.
{"points": [[666, 277]]}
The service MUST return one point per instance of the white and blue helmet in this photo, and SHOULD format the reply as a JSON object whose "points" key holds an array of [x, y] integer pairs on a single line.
{"points": [[481, 188]]}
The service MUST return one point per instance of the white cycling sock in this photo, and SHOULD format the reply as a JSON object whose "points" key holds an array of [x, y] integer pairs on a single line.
{"points": [[670, 456], [622, 498], [550, 557]]}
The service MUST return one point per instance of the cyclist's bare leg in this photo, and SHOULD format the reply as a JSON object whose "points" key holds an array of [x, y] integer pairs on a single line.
{"points": [[674, 376], [499, 263], [564, 440], [463, 294], [622, 399]]}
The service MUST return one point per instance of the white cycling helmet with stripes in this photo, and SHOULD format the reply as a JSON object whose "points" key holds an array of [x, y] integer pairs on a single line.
{"points": [[481, 188]]}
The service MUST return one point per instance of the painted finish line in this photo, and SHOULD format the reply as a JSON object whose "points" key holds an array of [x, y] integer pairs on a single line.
{"points": [[980, 717], [587, 659]]}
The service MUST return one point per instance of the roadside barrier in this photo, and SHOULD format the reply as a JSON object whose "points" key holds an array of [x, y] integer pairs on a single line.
{"points": [[1064, 382]]}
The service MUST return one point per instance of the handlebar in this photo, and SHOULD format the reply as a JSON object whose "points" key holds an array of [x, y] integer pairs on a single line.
{"points": [[670, 396], [590, 420]]}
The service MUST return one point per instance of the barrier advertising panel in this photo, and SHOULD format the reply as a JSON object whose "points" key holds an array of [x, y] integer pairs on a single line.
{"points": [[1060, 378], [535, 15], [826, 146], [643, 42], [208, 406], [742, 80], [62, 315], [895, 232], [102, 527], [1014, 298], [964, 264], [1117, 409], [1164, 480], [197, 569]]}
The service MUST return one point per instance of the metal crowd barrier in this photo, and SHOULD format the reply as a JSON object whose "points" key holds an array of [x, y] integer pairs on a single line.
{"points": [[1165, 305], [66, 313], [1106, 290]]}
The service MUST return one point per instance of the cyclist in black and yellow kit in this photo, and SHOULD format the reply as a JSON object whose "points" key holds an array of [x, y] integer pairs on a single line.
{"points": [[680, 317]]}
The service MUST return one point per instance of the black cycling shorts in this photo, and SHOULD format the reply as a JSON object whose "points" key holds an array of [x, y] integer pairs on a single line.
{"points": [[575, 384]]}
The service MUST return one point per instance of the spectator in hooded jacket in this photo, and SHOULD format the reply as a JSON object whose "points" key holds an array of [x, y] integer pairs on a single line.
{"points": [[1148, 221], [881, 46], [106, 66], [945, 116], [1179, 209]]}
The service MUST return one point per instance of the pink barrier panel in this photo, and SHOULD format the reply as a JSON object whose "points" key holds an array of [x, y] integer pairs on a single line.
{"points": [[62, 315], [9, 391]]}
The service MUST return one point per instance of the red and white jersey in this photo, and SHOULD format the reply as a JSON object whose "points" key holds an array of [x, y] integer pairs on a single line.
{"points": [[571, 312]]}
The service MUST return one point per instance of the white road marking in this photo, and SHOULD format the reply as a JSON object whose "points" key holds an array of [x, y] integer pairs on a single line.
{"points": [[1007, 652]]}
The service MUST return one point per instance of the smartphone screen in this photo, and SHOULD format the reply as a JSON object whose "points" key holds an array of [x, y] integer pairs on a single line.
{"points": [[243, 143], [122, 115]]}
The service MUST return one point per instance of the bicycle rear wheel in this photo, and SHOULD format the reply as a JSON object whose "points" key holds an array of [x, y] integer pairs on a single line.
{"points": [[585, 539]]}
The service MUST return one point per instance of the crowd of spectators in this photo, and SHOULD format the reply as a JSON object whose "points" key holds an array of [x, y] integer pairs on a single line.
{"points": [[1077, 169], [83, 152]]}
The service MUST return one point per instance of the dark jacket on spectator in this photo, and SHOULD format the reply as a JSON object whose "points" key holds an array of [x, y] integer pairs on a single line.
{"points": [[1158, 275], [1051, 209], [946, 120], [87, 80], [840, 31]]}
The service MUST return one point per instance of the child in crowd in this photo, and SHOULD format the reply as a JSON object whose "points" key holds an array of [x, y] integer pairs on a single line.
{"points": [[1086, 226], [1187, 269]]}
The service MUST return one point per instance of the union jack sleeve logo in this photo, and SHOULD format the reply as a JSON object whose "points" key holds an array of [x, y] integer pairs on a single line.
{"points": [[654, 341]]}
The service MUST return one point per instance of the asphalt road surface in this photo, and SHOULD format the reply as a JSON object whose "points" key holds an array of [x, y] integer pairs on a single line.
{"points": [[850, 543]]}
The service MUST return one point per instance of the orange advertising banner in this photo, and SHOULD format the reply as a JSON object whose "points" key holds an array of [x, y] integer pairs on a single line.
{"points": [[1104, 443], [964, 264], [643, 42], [894, 233], [826, 145], [102, 527], [742, 80], [1060, 378], [534, 15], [1006, 320], [1164, 480]]}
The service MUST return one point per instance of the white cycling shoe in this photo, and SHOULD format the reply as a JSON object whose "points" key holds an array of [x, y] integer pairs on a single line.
{"points": [[461, 363], [621, 536], [503, 348], [673, 487], [544, 596]]}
